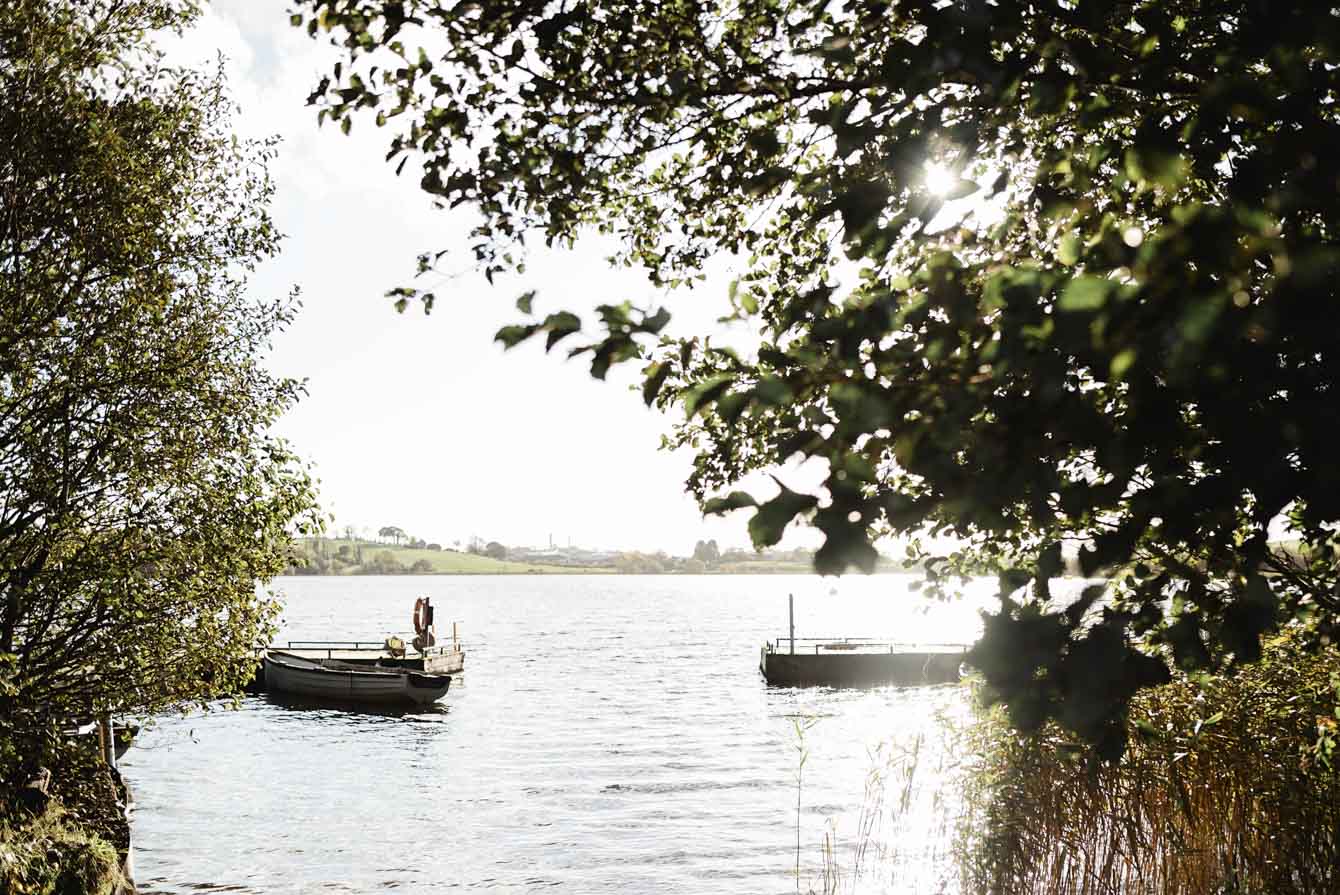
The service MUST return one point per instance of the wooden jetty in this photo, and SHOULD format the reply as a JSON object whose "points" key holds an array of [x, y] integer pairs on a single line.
{"points": [[852, 662], [793, 661]]}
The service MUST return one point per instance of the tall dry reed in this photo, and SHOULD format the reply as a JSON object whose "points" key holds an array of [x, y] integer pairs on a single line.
{"points": [[1222, 791], [903, 838]]}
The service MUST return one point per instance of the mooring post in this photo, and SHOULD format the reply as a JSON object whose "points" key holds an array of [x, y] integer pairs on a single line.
{"points": [[107, 739], [791, 619]]}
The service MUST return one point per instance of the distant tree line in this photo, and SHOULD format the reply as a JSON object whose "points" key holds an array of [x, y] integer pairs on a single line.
{"points": [[315, 557], [397, 536], [361, 556], [708, 557]]}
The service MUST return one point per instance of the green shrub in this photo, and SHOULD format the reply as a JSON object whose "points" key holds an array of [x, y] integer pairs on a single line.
{"points": [[50, 856]]}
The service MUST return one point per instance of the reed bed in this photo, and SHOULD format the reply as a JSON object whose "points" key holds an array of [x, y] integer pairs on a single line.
{"points": [[903, 838], [1222, 791]]}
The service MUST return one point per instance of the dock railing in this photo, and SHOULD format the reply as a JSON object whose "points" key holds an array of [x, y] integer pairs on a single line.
{"points": [[333, 646], [841, 644], [329, 645]]}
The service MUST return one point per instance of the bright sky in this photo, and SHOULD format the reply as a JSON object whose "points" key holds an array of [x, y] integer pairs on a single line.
{"points": [[423, 422]]}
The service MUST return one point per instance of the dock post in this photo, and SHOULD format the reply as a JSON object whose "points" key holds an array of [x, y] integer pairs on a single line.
{"points": [[107, 739], [791, 619]]}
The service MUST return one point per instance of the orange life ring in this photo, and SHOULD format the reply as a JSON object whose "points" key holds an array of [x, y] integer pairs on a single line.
{"points": [[420, 620]]}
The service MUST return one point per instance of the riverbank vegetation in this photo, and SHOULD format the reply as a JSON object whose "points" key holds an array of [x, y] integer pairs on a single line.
{"points": [[1230, 784], [144, 496], [49, 854], [72, 834]]}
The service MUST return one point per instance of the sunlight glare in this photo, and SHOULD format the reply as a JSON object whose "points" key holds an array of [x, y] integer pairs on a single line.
{"points": [[939, 179]]}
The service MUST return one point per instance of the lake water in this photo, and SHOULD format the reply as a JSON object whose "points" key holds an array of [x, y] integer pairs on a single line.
{"points": [[609, 734]]}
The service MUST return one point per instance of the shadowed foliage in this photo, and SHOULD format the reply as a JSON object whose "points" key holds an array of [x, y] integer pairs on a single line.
{"points": [[1108, 326]]}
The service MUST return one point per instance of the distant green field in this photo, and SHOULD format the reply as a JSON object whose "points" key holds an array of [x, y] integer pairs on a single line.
{"points": [[444, 562], [470, 564]]}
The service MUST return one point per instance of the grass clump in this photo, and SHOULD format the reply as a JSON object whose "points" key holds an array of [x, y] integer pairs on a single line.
{"points": [[47, 855], [70, 841], [1227, 787]]}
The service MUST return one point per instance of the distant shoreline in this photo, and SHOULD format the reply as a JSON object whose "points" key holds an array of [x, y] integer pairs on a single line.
{"points": [[345, 558], [360, 557], [557, 571]]}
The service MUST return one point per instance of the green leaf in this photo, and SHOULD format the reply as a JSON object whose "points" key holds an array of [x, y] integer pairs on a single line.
{"points": [[706, 392], [730, 406], [735, 500], [511, 336], [1201, 314], [1156, 162], [656, 322], [655, 378], [768, 524], [773, 391], [560, 325], [523, 302], [1122, 363], [844, 549], [1068, 251], [1085, 293]]}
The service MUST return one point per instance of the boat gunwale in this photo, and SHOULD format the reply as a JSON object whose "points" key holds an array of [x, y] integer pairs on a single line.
{"points": [[314, 666]]}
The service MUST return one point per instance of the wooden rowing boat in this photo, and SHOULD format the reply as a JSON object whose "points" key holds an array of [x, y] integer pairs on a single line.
{"points": [[333, 680]]}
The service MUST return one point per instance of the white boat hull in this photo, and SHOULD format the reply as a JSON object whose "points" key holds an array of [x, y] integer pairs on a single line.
{"points": [[304, 677]]}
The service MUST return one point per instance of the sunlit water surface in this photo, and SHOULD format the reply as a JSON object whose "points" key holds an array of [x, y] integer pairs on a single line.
{"points": [[610, 734]]}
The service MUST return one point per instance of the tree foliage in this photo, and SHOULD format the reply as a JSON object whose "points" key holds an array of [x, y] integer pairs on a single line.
{"points": [[1108, 327], [707, 551], [393, 533], [141, 496]]}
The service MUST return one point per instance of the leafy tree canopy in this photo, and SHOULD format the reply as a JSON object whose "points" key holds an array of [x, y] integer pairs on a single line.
{"points": [[393, 533], [1136, 356], [141, 498]]}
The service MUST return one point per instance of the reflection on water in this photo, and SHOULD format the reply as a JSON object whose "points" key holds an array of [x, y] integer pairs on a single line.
{"points": [[325, 710], [610, 734]]}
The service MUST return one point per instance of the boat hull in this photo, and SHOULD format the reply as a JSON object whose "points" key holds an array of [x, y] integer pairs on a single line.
{"points": [[300, 677]]}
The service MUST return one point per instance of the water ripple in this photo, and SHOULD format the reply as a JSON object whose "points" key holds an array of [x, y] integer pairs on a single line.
{"points": [[611, 734]]}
